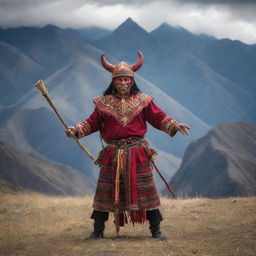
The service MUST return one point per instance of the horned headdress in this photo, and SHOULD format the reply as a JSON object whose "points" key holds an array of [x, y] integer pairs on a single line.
{"points": [[122, 68]]}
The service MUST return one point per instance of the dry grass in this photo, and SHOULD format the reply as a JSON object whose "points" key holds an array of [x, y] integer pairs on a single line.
{"points": [[33, 224]]}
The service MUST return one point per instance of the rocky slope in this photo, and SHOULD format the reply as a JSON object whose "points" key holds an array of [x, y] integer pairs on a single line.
{"points": [[220, 164], [32, 172]]}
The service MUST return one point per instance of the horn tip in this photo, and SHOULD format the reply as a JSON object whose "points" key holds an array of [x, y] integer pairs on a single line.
{"points": [[140, 53]]}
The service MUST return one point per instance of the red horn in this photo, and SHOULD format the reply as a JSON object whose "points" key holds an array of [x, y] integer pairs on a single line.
{"points": [[106, 64], [139, 62]]}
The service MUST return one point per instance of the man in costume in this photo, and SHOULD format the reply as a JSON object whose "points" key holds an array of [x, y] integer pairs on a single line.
{"points": [[125, 185]]}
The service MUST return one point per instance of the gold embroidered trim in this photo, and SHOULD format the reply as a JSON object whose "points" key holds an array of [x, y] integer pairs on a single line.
{"points": [[123, 110], [168, 125], [83, 129]]}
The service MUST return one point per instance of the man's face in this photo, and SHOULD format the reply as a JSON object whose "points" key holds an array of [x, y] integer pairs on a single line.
{"points": [[123, 84]]}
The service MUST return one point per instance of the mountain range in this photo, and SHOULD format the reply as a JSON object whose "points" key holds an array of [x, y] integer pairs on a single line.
{"points": [[196, 79], [220, 164], [31, 126], [206, 75], [220, 74]]}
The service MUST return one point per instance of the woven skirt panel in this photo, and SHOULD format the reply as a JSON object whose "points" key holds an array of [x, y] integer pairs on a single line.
{"points": [[147, 193], [147, 196]]}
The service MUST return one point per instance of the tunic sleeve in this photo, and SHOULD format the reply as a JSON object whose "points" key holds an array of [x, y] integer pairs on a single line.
{"points": [[159, 119], [90, 125]]}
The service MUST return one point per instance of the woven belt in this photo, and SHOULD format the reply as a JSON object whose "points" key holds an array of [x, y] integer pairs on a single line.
{"points": [[125, 142]]}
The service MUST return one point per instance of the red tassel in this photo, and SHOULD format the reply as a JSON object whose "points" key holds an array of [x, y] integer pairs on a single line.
{"points": [[138, 217], [120, 220]]}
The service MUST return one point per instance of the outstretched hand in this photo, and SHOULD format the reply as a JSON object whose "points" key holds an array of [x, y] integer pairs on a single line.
{"points": [[71, 131], [183, 128]]}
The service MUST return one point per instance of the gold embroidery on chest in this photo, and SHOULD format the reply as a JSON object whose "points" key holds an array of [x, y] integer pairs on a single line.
{"points": [[123, 110], [122, 106]]}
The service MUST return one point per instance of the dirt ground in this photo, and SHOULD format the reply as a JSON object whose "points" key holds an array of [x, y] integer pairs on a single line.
{"points": [[34, 224]]}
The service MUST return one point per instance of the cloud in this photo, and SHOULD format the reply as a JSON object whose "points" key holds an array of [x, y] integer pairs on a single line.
{"points": [[241, 9], [221, 18], [63, 13], [229, 2], [35, 13]]}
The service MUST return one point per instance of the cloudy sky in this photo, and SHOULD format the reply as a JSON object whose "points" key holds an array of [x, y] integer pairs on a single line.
{"points": [[234, 19]]}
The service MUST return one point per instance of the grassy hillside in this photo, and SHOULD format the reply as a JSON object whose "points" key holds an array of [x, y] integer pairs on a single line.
{"points": [[33, 224], [34, 172], [6, 187]]}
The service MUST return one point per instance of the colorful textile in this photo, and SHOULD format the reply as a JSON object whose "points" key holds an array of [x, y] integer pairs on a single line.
{"points": [[125, 184], [122, 110], [120, 118], [126, 180]]}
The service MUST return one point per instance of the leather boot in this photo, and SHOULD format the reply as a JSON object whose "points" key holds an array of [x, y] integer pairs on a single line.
{"points": [[155, 231], [97, 233], [155, 217], [99, 224]]}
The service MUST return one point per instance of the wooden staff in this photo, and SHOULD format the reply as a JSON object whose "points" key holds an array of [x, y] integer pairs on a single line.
{"points": [[41, 86], [164, 180], [149, 155]]}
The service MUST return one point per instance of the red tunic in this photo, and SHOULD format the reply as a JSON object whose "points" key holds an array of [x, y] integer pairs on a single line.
{"points": [[125, 181], [114, 122]]}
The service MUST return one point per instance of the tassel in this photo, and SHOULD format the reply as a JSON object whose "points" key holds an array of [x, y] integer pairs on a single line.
{"points": [[98, 159], [117, 177], [120, 218], [138, 217], [119, 168], [116, 221]]}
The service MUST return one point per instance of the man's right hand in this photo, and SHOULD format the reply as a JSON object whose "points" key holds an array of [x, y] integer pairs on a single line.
{"points": [[183, 128], [71, 131]]}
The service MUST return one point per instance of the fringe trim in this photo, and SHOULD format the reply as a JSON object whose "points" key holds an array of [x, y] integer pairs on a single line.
{"points": [[121, 218]]}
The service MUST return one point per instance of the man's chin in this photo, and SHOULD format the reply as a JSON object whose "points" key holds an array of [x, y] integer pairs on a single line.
{"points": [[124, 91]]}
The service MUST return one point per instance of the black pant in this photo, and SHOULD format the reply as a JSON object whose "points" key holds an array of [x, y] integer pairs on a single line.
{"points": [[154, 216]]}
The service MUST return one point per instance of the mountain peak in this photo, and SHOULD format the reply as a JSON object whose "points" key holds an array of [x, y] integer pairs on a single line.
{"points": [[129, 26], [165, 27], [129, 20], [50, 27]]}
